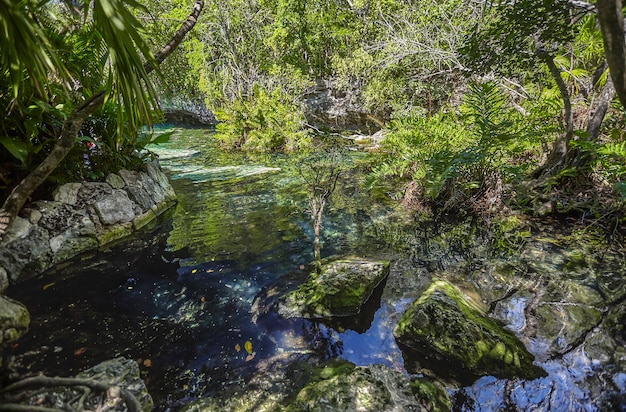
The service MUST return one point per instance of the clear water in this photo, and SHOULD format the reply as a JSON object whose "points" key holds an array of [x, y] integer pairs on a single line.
{"points": [[181, 295], [184, 297]]}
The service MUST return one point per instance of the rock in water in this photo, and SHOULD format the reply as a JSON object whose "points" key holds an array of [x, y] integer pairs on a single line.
{"points": [[341, 289], [14, 321], [123, 373], [447, 328], [367, 389]]}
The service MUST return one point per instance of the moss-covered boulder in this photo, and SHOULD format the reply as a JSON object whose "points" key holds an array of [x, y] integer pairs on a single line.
{"points": [[449, 329], [14, 321], [336, 385], [341, 289], [365, 388]]}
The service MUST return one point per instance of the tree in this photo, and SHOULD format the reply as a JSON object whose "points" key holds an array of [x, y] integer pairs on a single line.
{"points": [[515, 39], [29, 58], [611, 21], [320, 171]]}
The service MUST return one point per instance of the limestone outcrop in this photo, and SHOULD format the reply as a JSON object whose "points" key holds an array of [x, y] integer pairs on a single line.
{"points": [[80, 217], [451, 330], [341, 289]]}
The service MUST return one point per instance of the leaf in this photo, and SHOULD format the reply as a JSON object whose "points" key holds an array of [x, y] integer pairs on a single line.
{"points": [[248, 347], [46, 286], [238, 347], [147, 363], [80, 351], [250, 356], [194, 271], [18, 148]]}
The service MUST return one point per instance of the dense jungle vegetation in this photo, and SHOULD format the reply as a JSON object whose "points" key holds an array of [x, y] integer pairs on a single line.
{"points": [[485, 106]]}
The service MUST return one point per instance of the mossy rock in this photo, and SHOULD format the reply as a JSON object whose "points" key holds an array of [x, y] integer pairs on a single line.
{"points": [[372, 388], [336, 385], [447, 327], [341, 289]]}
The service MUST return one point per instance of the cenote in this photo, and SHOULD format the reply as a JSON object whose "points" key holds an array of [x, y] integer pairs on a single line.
{"points": [[188, 297]]}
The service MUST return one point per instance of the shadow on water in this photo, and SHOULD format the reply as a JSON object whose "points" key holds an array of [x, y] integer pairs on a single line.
{"points": [[190, 299], [179, 298]]}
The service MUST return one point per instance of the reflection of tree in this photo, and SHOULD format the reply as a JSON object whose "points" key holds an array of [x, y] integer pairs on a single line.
{"points": [[322, 339], [320, 171]]}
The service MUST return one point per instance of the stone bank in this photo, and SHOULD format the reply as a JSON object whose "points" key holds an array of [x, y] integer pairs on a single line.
{"points": [[82, 217]]}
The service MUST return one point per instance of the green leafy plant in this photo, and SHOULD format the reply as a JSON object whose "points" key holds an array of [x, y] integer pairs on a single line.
{"points": [[264, 121]]}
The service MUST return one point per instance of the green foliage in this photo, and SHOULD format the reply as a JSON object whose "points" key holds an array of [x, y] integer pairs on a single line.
{"points": [[420, 148], [55, 56], [512, 34], [263, 121], [442, 150]]}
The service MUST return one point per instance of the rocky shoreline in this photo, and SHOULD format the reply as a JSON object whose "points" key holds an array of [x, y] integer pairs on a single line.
{"points": [[80, 217]]}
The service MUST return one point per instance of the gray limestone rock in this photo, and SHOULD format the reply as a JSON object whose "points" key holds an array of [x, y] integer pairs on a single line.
{"points": [[115, 181], [67, 193], [14, 320], [115, 208], [124, 373], [137, 190]]}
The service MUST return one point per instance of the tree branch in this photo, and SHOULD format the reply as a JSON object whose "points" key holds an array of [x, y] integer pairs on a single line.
{"points": [[129, 399], [20, 194]]}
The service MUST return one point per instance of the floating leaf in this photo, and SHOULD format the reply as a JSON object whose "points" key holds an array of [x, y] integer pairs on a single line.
{"points": [[238, 348], [147, 363], [194, 271], [80, 351], [250, 356], [48, 285], [248, 347]]}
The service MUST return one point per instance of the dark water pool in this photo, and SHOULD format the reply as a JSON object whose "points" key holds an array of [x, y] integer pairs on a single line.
{"points": [[179, 297]]}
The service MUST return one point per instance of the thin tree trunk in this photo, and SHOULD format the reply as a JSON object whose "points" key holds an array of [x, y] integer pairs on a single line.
{"points": [[20, 194], [611, 21], [557, 158], [317, 210], [582, 158]]}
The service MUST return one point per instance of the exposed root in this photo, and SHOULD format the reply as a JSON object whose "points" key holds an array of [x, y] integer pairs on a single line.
{"points": [[35, 394]]}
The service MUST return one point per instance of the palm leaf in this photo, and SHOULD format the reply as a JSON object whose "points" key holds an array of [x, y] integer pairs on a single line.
{"points": [[128, 78], [25, 48]]}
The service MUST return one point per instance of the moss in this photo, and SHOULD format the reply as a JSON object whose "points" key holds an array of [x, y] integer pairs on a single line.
{"points": [[340, 290], [114, 233], [431, 394], [144, 219], [444, 324]]}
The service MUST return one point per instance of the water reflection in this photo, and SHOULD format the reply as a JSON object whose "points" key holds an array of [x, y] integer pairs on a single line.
{"points": [[189, 293]]}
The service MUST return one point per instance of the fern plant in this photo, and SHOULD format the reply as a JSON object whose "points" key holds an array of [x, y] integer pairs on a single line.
{"points": [[264, 121]]}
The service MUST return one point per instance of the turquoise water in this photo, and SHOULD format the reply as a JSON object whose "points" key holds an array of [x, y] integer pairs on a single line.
{"points": [[185, 297], [182, 295]]}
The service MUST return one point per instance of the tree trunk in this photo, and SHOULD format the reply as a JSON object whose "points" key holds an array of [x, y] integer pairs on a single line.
{"points": [[611, 21], [317, 211], [558, 156], [20, 194]]}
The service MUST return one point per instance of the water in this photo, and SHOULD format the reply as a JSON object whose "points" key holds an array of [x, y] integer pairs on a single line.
{"points": [[181, 295], [187, 295]]}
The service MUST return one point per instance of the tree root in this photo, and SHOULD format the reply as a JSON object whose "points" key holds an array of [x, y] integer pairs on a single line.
{"points": [[111, 395]]}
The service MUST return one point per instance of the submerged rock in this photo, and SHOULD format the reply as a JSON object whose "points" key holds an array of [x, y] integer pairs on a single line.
{"points": [[341, 289], [366, 388], [14, 321], [99, 388], [337, 385], [124, 373], [446, 327]]}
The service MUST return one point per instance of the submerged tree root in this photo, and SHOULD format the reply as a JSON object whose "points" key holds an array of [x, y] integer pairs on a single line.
{"points": [[37, 388]]}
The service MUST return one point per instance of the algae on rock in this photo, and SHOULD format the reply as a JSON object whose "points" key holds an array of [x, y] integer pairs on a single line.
{"points": [[446, 327], [341, 289]]}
